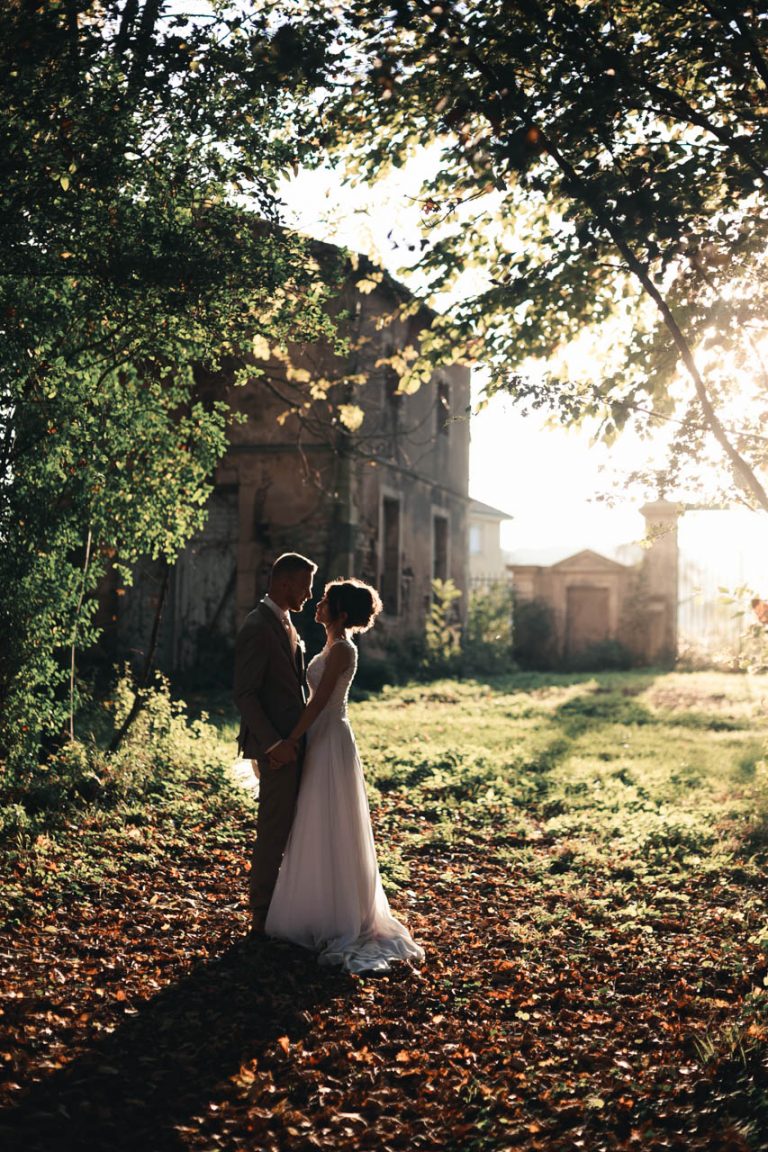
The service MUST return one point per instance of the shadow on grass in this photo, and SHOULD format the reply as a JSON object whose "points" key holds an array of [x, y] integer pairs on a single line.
{"points": [[631, 683], [594, 710], [160, 1068], [608, 699]]}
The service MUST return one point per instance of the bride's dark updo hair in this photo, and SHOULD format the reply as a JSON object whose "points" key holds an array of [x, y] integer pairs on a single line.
{"points": [[359, 600]]}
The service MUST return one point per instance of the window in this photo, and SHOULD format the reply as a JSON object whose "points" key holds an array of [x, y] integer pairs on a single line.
{"points": [[443, 408], [475, 540], [391, 378], [389, 580], [439, 548]]}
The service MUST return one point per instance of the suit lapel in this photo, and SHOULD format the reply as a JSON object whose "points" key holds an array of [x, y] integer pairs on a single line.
{"points": [[268, 615]]}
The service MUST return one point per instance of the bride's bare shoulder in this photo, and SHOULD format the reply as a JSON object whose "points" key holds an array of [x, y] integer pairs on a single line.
{"points": [[342, 652]]}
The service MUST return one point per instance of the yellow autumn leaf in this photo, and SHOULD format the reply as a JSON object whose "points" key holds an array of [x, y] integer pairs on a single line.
{"points": [[298, 375], [369, 283], [396, 362], [411, 383], [351, 416]]}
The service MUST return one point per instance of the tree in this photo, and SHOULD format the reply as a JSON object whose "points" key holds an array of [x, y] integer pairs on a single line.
{"points": [[140, 156], [601, 169]]}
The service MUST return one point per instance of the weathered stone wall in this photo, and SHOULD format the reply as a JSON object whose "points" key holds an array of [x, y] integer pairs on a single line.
{"points": [[586, 594], [295, 479], [593, 599]]}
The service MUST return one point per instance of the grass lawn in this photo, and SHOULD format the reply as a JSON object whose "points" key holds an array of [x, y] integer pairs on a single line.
{"points": [[583, 858]]}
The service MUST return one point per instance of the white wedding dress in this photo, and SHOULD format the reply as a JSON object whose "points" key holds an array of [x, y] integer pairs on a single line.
{"points": [[328, 895]]}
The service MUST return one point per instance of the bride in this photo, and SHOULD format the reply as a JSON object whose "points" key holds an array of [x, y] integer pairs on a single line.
{"points": [[329, 895]]}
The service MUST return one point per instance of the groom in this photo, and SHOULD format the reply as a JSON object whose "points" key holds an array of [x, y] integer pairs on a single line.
{"points": [[270, 694]]}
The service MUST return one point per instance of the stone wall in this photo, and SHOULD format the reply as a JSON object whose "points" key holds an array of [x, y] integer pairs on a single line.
{"points": [[294, 478], [593, 600]]}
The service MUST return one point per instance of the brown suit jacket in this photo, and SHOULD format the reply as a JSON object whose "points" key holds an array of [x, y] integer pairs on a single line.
{"points": [[269, 684]]}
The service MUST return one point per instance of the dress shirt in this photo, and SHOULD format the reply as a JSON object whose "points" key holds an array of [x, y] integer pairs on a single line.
{"points": [[285, 619]]}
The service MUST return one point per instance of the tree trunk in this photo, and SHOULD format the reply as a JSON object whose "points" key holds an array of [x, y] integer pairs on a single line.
{"points": [[73, 645]]}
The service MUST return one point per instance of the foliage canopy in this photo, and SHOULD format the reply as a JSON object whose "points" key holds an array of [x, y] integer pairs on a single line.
{"points": [[140, 153], [599, 181]]}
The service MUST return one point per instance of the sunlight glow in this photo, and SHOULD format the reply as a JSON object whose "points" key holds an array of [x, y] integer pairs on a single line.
{"points": [[564, 492]]}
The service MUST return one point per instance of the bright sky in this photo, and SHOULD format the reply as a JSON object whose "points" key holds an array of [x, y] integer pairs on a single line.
{"points": [[548, 479]]}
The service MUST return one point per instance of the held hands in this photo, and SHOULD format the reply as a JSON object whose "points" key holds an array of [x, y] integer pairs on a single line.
{"points": [[283, 753]]}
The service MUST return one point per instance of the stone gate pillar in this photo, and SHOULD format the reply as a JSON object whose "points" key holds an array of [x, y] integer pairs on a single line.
{"points": [[660, 576]]}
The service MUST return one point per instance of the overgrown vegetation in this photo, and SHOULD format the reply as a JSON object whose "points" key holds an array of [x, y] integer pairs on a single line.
{"points": [[442, 631], [69, 829], [487, 642], [129, 137], [583, 857], [501, 633]]}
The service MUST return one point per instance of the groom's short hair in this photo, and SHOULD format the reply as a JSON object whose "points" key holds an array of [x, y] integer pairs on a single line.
{"points": [[290, 564]]}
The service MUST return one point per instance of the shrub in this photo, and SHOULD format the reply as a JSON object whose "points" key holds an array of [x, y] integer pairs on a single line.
{"points": [[602, 656], [533, 629], [442, 633], [487, 641], [97, 815], [163, 747], [374, 672], [402, 660]]}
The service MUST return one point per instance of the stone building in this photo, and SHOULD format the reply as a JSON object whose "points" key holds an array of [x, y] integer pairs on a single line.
{"points": [[384, 499], [593, 600]]}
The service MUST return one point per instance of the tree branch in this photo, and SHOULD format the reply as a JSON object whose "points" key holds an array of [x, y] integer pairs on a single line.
{"points": [[73, 643], [741, 468], [733, 14], [127, 20]]}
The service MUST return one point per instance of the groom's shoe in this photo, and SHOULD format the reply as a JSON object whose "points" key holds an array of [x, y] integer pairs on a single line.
{"points": [[256, 931]]}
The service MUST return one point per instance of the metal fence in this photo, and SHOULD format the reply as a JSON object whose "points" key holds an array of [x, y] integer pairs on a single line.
{"points": [[713, 614]]}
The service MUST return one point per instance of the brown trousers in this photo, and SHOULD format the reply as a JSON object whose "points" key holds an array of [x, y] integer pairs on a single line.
{"points": [[278, 791]]}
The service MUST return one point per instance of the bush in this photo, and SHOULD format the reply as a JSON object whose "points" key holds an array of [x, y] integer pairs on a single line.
{"points": [[15, 822], [374, 672], [86, 816], [162, 748], [487, 642], [442, 632], [402, 660], [533, 634], [607, 655]]}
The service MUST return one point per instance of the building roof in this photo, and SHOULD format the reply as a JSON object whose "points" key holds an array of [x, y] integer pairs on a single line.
{"points": [[587, 559], [537, 557], [559, 556], [486, 511]]}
